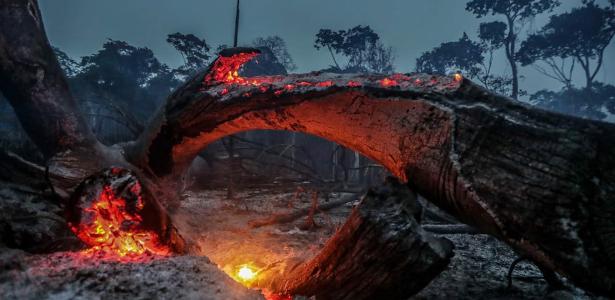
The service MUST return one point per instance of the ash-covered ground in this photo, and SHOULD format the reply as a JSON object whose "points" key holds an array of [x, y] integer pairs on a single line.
{"points": [[219, 227]]}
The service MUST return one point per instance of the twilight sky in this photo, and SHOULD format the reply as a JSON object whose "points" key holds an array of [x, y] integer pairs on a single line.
{"points": [[79, 27]]}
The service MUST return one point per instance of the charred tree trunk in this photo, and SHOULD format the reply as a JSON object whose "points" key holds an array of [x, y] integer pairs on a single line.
{"points": [[34, 84], [540, 181], [381, 252]]}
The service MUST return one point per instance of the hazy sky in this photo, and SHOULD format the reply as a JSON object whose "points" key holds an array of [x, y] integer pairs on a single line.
{"points": [[411, 27]]}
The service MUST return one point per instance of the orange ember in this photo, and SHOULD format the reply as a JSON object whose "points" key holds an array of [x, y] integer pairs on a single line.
{"points": [[107, 226], [325, 83], [388, 82], [225, 72], [226, 69], [353, 83]]}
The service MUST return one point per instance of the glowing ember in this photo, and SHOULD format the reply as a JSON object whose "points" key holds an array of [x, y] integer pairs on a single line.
{"points": [[353, 83], [225, 72], [325, 83], [388, 82], [246, 273], [111, 225], [226, 69]]}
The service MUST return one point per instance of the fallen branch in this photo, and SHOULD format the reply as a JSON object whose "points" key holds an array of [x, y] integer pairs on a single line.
{"points": [[290, 217]]}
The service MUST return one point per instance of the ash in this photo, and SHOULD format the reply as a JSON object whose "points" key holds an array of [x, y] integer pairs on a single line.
{"points": [[220, 229]]}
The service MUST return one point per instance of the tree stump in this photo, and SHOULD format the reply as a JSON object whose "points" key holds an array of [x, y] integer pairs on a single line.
{"points": [[381, 252]]}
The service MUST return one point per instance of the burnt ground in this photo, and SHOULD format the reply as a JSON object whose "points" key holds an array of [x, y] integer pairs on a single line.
{"points": [[220, 229]]}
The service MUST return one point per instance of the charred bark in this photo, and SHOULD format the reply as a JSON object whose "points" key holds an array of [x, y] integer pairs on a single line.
{"points": [[381, 252], [32, 81], [540, 181], [35, 86], [114, 197]]}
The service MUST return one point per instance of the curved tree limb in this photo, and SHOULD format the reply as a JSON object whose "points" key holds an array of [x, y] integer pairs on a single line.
{"points": [[540, 181]]}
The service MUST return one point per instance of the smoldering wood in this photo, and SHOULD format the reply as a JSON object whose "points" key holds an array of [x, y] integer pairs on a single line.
{"points": [[122, 182], [381, 252], [540, 181], [35, 86]]}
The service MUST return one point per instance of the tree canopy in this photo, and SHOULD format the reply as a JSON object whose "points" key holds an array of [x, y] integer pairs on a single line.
{"points": [[361, 47], [515, 13], [194, 51], [582, 34]]}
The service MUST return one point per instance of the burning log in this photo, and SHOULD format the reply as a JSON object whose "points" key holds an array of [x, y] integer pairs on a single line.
{"points": [[540, 181], [381, 252], [109, 213]]}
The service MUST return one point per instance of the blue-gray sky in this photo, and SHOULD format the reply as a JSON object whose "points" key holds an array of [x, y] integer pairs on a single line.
{"points": [[79, 27]]}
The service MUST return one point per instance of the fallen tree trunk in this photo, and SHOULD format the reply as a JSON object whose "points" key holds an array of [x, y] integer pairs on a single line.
{"points": [[381, 252], [540, 181]]}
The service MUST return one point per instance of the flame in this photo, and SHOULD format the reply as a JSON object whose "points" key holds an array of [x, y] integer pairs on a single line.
{"points": [[108, 227], [246, 273], [387, 82], [458, 77], [225, 72]]}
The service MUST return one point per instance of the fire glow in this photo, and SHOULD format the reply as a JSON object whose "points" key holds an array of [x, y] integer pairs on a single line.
{"points": [[246, 273], [111, 229], [225, 71]]}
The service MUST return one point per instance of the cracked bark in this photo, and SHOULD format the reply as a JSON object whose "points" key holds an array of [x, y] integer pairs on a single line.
{"points": [[540, 181], [381, 252]]}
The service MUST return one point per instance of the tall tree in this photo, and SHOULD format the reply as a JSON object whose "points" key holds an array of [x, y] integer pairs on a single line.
{"points": [[516, 13], [125, 74], [194, 51], [361, 47], [466, 57], [582, 35]]}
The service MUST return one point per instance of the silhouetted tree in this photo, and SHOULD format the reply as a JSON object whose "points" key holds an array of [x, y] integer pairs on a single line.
{"points": [[516, 14], [278, 47], [466, 57], [125, 74], [360, 45], [581, 35], [594, 103], [193, 50]]}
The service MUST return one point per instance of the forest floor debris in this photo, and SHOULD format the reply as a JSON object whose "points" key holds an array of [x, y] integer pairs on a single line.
{"points": [[220, 227]]}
